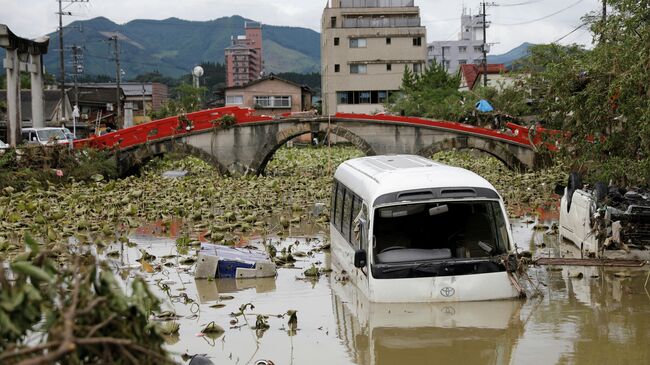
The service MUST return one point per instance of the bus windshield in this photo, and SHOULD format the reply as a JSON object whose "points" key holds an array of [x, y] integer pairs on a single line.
{"points": [[453, 231]]}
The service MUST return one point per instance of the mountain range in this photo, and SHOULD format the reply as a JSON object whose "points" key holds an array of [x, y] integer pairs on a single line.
{"points": [[509, 57], [174, 46]]}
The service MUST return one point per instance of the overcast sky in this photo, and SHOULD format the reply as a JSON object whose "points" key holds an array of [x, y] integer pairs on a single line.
{"points": [[33, 18]]}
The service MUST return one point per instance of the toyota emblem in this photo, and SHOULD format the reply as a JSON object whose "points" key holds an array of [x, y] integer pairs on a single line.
{"points": [[447, 291]]}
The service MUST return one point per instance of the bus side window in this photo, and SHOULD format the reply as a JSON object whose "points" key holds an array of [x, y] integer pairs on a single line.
{"points": [[333, 203], [338, 212], [356, 207], [347, 215]]}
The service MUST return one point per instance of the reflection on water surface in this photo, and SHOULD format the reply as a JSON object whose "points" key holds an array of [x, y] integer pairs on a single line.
{"points": [[599, 317]]}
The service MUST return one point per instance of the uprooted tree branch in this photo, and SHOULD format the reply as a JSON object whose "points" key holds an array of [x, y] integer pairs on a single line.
{"points": [[69, 308]]}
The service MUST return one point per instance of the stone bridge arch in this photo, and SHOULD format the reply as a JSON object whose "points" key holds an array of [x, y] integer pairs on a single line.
{"points": [[128, 161], [265, 154], [490, 147]]}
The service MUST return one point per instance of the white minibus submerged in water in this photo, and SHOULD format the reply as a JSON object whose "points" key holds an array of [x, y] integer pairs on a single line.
{"points": [[407, 229]]}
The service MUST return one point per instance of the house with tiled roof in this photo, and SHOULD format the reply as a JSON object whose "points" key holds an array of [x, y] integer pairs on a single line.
{"points": [[472, 75], [270, 95]]}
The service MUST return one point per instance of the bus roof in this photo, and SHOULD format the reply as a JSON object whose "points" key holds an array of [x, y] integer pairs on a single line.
{"points": [[373, 176]]}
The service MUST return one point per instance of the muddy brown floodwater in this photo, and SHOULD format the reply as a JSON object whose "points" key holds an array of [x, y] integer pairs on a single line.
{"points": [[599, 317]]}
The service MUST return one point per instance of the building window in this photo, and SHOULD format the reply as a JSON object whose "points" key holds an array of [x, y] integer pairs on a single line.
{"points": [[272, 101], [235, 100], [462, 49], [362, 97], [417, 67], [478, 62], [358, 43], [389, 67], [342, 97], [358, 69], [336, 41], [388, 40], [462, 62], [417, 41], [333, 22], [337, 68], [445, 49], [382, 96], [478, 49]]}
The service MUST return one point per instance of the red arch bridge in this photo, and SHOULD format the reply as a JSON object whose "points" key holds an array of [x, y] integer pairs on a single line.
{"points": [[237, 141]]}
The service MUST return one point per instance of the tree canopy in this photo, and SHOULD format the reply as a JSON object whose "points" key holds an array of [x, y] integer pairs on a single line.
{"points": [[600, 97]]}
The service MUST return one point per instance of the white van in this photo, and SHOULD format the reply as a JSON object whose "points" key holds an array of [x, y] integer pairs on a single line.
{"points": [[407, 229], [43, 136]]}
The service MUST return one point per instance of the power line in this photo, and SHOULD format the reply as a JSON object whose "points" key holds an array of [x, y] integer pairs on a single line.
{"points": [[571, 32], [544, 17], [520, 4]]}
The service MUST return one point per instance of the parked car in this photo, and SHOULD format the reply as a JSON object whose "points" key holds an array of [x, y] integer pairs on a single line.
{"points": [[44, 136], [68, 134], [599, 217]]}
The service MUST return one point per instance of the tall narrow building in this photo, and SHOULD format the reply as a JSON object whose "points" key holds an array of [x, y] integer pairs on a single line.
{"points": [[468, 49], [365, 46], [244, 62]]}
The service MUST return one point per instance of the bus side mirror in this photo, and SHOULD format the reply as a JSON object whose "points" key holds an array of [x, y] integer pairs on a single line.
{"points": [[360, 257]]}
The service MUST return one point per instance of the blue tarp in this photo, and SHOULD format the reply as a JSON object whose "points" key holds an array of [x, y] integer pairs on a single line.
{"points": [[484, 106]]}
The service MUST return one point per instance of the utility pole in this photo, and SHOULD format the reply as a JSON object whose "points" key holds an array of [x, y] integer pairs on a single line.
{"points": [[118, 78], [484, 47], [77, 67], [61, 62], [61, 52], [604, 11], [443, 58]]}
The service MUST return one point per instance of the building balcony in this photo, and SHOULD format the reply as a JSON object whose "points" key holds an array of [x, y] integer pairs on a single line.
{"points": [[376, 3]]}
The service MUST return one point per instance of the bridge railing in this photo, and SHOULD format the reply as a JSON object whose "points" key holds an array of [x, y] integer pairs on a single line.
{"points": [[179, 126], [170, 127]]}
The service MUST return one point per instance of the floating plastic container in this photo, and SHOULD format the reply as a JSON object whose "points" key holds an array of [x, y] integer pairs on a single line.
{"points": [[218, 261]]}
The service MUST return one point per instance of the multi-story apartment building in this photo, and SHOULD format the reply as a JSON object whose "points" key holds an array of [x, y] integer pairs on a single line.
{"points": [[365, 46], [468, 49], [244, 62]]}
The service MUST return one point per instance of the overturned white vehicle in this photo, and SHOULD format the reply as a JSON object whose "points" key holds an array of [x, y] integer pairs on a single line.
{"points": [[407, 229], [600, 217]]}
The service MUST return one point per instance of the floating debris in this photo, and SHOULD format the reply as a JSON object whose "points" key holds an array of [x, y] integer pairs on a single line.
{"points": [[217, 261]]}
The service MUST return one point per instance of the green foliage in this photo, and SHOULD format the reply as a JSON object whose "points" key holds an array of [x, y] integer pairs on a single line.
{"points": [[186, 99], [601, 96], [80, 307], [433, 93], [37, 165]]}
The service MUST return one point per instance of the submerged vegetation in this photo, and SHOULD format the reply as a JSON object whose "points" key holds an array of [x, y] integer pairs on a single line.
{"points": [[78, 222], [40, 165]]}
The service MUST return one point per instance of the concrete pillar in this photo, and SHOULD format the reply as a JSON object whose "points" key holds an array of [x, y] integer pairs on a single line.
{"points": [[36, 71], [128, 115], [14, 117]]}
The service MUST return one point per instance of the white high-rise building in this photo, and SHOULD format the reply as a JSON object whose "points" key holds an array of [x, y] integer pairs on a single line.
{"points": [[468, 49]]}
